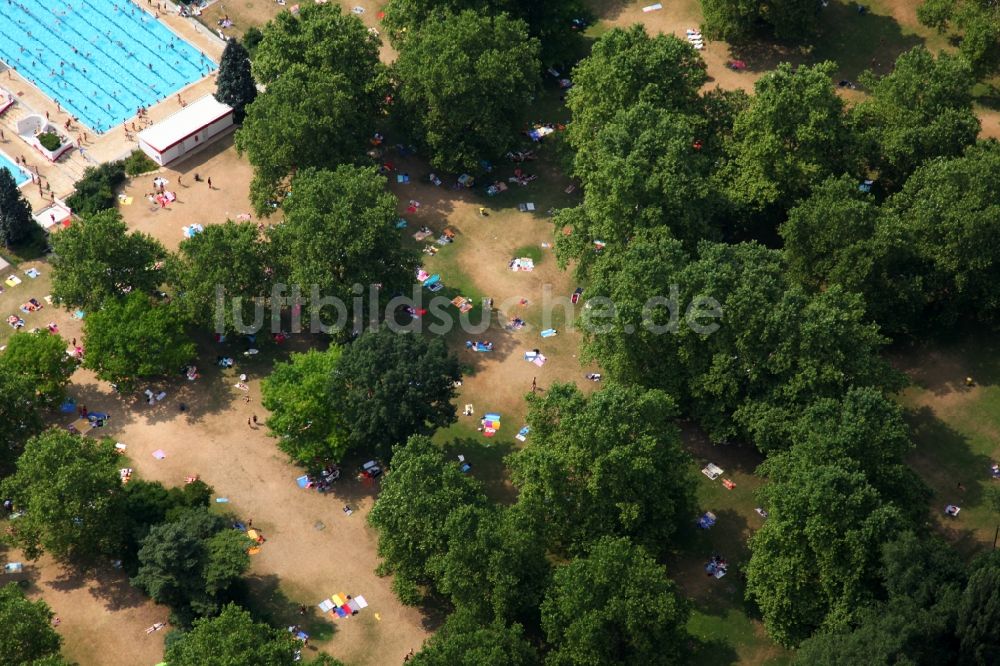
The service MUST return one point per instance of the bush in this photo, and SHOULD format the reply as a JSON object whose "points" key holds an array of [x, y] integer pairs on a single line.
{"points": [[96, 190], [138, 163], [50, 141]]}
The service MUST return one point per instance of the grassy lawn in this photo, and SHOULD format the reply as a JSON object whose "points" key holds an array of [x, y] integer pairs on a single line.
{"points": [[956, 430], [13, 297]]}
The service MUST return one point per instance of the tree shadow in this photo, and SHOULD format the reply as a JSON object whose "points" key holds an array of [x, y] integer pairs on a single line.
{"points": [[267, 602], [487, 458], [108, 585]]}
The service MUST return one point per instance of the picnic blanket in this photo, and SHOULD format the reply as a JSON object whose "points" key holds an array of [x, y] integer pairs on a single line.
{"points": [[522, 264]]}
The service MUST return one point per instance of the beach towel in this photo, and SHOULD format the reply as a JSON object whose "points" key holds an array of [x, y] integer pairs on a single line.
{"points": [[68, 406], [32, 273], [522, 434], [159, 454], [492, 416], [402, 178], [652, 8], [302, 481], [432, 280], [712, 471], [338, 600], [222, 500], [78, 314], [549, 332], [326, 606], [526, 207], [12, 281], [539, 360], [707, 520], [421, 235], [401, 223], [13, 567]]}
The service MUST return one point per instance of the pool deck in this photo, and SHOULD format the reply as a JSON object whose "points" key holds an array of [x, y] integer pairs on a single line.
{"points": [[105, 147]]}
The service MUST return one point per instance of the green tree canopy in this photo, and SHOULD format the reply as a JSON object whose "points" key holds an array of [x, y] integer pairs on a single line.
{"points": [[737, 21], [792, 136], [494, 564], [921, 110], [97, 259], [234, 83], [149, 503], [979, 613], [390, 385], [838, 235], [464, 641], [416, 499], [549, 22], [608, 465], [304, 415], [813, 563], [230, 259], [626, 67], [21, 413], [322, 38], [16, 223], [26, 633], [190, 563], [134, 338], [340, 231], [643, 170], [70, 492], [978, 21], [41, 358], [614, 606], [463, 81], [306, 118], [947, 215], [232, 638]]}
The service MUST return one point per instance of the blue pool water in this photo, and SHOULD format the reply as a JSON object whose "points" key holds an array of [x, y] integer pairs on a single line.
{"points": [[100, 59], [20, 176]]}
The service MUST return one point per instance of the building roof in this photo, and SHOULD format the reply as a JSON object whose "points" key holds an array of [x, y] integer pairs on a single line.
{"points": [[190, 120]]}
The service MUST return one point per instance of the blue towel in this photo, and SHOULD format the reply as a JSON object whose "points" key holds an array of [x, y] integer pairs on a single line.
{"points": [[303, 481], [548, 333], [492, 417], [221, 500], [401, 223], [67, 406]]}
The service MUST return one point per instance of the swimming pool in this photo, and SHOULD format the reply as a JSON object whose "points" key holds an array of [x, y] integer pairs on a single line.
{"points": [[100, 59], [20, 175]]}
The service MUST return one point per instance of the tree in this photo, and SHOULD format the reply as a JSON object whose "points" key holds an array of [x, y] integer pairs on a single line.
{"points": [[322, 38], [97, 259], [551, 23], [979, 613], [464, 641], [307, 118], [230, 638], [339, 232], [21, 413], [304, 415], [738, 21], [838, 235], [642, 170], [190, 563], [234, 83], [463, 80], [41, 358], [813, 562], [149, 503], [16, 224], [417, 497], [134, 338], [494, 564], [389, 386], [70, 492], [921, 110], [614, 606], [26, 633], [626, 67], [608, 465], [979, 23], [868, 428], [791, 137], [228, 262], [947, 215]]}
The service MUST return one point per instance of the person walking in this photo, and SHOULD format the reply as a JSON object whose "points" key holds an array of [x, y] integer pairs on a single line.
{"points": [[210, 182]]}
